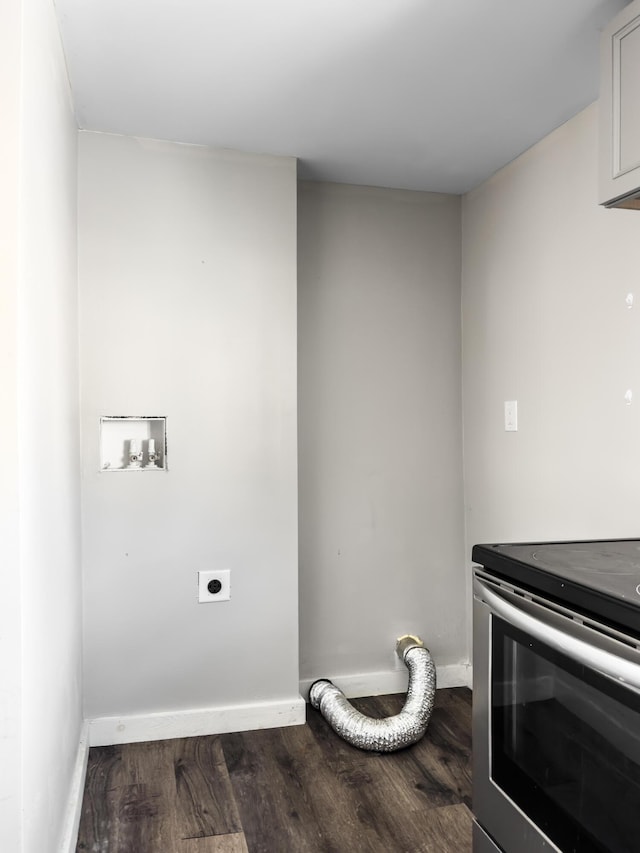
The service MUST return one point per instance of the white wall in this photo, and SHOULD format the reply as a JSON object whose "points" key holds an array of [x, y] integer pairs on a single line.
{"points": [[380, 461], [39, 509], [49, 433], [545, 276], [188, 310], [10, 589]]}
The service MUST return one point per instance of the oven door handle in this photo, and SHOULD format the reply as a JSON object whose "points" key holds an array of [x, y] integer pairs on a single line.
{"points": [[586, 653]]}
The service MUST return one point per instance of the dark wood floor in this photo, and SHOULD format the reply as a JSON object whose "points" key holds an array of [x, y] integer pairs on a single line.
{"points": [[299, 789]]}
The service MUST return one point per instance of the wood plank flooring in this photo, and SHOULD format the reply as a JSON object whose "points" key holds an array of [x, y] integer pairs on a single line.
{"points": [[298, 789]]}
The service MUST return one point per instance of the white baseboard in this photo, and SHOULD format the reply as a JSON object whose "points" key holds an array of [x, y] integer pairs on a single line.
{"points": [[104, 731], [390, 681], [456, 675], [76, 791]]}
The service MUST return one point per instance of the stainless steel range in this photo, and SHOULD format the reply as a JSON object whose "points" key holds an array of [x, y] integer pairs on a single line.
{"points": [[556, 697]]}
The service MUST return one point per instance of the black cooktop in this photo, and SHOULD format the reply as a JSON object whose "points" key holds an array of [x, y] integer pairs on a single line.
{"points": [[600, 578]]}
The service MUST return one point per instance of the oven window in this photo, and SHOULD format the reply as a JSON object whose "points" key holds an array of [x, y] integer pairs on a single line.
{"points": [[565, 745]]}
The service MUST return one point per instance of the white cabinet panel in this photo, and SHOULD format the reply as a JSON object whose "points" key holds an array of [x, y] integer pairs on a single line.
{"points": [[620, 110]]}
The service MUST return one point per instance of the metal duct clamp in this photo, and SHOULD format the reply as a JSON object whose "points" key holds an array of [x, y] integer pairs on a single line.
{"points": [[406, 642]]}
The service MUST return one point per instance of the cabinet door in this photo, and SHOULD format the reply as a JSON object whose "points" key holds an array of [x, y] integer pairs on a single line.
{"points": [[620, 109]]}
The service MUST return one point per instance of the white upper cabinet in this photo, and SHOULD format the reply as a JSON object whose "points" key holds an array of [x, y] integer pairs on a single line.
{"points": [[620, 110]]}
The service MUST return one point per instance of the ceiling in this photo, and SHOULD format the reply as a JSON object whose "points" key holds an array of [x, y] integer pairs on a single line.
{"points": [[420, 94]]}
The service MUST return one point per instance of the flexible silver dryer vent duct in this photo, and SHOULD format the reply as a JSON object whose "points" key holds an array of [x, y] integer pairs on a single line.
{"points": [[391, 733]]}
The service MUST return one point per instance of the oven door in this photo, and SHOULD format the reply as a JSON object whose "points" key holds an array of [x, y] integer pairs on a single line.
{"points": [[556, 727]]}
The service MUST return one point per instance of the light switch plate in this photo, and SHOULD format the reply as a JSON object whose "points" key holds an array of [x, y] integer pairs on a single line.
{"points": [[511, 415]]}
